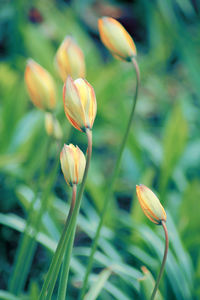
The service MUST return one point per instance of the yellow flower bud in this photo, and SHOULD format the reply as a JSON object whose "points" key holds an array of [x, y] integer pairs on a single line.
{"points": [[73, 163], [40, 85], [69, 60], [52, 126], [79, 103], [150, 204], [116, 38]]}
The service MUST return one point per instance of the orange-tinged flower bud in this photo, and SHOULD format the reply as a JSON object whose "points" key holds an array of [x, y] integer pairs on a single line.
{"points": [[73, 163], [52, 126], [79, 103], [40, 85], [150, 204], [69, 60], [116, 38]]}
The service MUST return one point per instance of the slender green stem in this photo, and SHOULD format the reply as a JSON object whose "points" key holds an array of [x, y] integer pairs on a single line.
{"points": [[55, 260], [72, 226], [69, 225], [164, 260], [65, 268], [110, 186], [51, 287], [22, 265]]}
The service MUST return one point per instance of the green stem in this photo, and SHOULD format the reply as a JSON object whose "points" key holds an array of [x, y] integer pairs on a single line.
{"points": [[108, 195], [22, 265], [164, 260], [51, 287], [65, 268], [69, 225]]}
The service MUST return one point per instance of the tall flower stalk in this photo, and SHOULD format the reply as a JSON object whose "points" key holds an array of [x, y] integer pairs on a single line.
{"points": [[80, 108], [155, 212], [163, 261], [121, 45], [52, 274], [87, 97]]}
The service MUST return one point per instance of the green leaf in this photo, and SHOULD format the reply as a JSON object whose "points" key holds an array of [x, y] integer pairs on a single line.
{"points": [[174, 139], [98, 285], [147, 284], [8, 296]]}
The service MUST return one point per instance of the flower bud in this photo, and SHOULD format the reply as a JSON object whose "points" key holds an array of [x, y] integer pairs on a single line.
{"points": [[40, 85], [116, 39], [69, 60], [73, 163], [52, 126], [79, 103], [150, 204]]}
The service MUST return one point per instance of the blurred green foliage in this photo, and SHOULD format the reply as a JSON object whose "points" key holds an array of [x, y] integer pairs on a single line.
{"points": [[163, 149]]}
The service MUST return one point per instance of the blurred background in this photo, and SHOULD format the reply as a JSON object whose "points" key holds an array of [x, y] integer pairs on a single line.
{"points": [[163, 149]]}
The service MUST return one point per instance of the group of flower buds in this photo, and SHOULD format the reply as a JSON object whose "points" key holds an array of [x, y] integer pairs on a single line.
{"points": [[80, 102], [80, 108]]}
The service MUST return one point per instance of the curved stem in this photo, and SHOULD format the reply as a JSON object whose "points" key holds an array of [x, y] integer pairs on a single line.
{"points": [[110, 186], [164, 260], [52, 274]]}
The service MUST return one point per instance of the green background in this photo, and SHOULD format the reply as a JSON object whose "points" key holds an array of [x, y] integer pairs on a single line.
{"points": [[163, 149]]}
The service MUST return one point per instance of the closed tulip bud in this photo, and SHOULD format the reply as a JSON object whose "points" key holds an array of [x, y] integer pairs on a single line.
{"points": [[69, 60], [73, 163], [79, 103], [116, 39], [52, 126], [150, 204], [40, 85]]}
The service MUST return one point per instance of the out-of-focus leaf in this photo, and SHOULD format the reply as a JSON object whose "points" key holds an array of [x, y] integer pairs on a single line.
{"points": [[117, 267], [182, 256], [4, 295], [26, 196], [189, 214], [98, 285], [34, 291], [175, 274], [147, 284], [174, 139], [116, 292]]}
